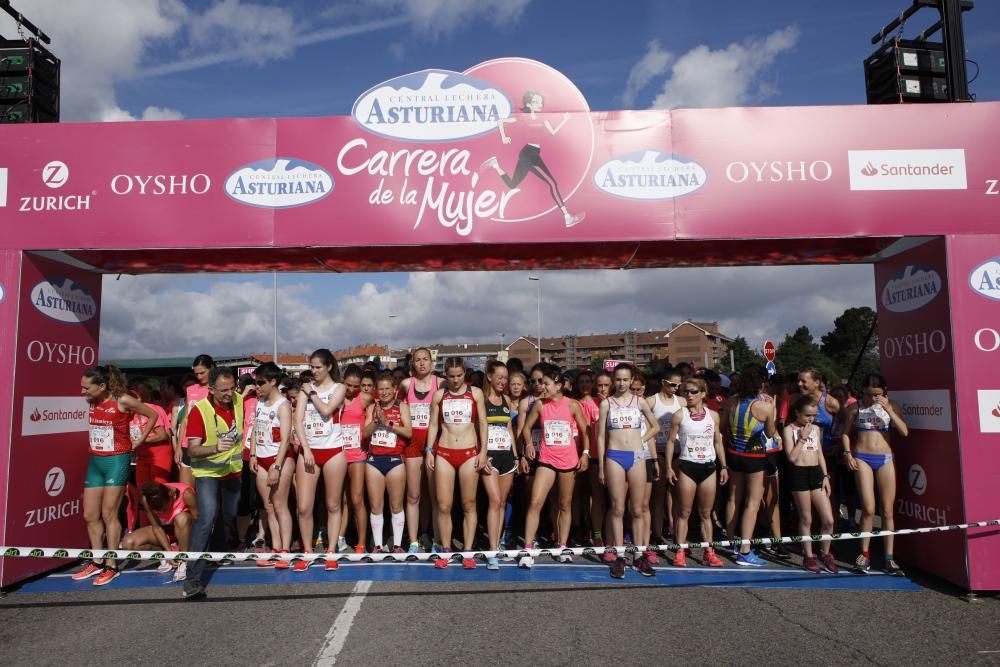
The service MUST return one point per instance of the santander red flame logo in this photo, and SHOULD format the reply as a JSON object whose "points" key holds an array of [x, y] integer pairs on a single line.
{"points": [[996, 411], [36, 415], [869, 170]]}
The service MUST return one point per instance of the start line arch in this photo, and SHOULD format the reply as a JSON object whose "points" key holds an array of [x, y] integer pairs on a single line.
{"points": [[504, 166]]}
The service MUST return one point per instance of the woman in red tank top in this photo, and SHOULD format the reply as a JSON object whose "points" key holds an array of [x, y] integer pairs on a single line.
{"points": [[458, 414], [111, 410], [387, 427]]}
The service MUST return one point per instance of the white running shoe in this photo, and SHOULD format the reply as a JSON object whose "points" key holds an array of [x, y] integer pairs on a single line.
{"points": [[165, 566], [491, 162], [181, 573], [573, 220], [526, 562]]}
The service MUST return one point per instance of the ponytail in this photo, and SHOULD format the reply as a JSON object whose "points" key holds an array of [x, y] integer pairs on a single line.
{"points": [[110, 376]]}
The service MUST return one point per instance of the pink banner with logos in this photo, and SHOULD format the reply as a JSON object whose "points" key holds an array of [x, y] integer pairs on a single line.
{"points": [[915, 346], [10, 265], [58, 322], [974, 285], [507, 151]]}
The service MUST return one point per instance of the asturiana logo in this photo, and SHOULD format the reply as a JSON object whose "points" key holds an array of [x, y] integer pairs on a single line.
{"points": [[279, 183], [432, 105], [650, 175], [985, 279], [911, 288], [64, 300]]}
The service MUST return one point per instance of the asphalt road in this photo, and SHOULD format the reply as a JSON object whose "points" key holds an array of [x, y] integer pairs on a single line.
{"points": [[421, 623]]}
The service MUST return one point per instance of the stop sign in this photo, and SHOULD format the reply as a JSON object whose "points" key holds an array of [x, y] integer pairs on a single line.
{"points": [[769, 350]]}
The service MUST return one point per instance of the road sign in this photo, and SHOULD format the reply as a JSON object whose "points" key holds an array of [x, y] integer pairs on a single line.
{"points": [[769, 350], [771, 368]]}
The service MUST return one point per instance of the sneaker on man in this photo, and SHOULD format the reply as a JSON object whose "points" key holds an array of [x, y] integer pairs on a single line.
{"points": [[87, 572], [750, 559], [192, 590]]}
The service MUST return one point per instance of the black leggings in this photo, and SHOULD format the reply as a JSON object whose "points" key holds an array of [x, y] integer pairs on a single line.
{"points": [[530, 159]]}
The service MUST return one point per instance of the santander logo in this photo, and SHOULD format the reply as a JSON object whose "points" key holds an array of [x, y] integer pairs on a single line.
{"points": [[36, 416], [432, 105], [869, 170]]}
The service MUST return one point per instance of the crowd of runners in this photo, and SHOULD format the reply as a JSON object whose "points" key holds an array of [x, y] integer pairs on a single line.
{"points": [[510, 458]]}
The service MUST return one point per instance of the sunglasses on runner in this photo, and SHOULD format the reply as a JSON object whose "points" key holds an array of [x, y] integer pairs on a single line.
{"points": [[690, 392], [534, 381], [672, 384], [260, 383]]}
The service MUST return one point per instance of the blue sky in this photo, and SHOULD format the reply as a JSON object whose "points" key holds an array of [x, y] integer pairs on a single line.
{"points": [[167, 59]]}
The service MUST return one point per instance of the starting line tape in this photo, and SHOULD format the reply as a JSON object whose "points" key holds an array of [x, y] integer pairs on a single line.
{"points": [[51, 552]]}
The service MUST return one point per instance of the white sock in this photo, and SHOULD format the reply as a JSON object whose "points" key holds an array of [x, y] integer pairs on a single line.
{"points": [[377, 521], [398, 523]]}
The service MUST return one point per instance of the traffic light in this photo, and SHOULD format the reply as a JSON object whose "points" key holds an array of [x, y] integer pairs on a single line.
{"points": [[29, 82]]}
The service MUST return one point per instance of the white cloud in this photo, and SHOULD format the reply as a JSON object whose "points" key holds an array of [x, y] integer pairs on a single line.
{"points": [[703, 77], [140, 315], [150, 113], [438, 16], [257, 33], [653, 64]]}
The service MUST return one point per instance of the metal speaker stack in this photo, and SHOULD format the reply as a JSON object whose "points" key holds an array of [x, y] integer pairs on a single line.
{"points": [[907, 71], [29, 82]]}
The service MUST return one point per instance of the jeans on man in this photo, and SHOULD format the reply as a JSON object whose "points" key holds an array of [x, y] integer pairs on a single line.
{"points": [[209, 490]]}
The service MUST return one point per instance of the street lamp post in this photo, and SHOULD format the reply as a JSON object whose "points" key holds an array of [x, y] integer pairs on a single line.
{"points": [[391, 318], [538, 303]]}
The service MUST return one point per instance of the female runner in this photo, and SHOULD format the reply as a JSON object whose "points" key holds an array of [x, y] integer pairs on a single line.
{"points": [[387, 428], [664, 404], [419, 390], [457, 413], [808, 480], [533, 436], [167, 505], [498, 476], [695, 431], [620, 437], [558, 458], [750, 417], [872, 421], [271, 459], [111, 445], [591, 411], [598, 492], [317, 420], [352, 423]]}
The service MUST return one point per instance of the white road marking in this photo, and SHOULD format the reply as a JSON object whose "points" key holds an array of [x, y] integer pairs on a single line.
{"points": [[337, 635]]}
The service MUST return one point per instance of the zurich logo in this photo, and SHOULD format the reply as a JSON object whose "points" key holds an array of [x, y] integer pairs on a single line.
{"points": [[985, 279], [650, 175], [279, 183], [63, 299], [911, 288], [431, 105]]}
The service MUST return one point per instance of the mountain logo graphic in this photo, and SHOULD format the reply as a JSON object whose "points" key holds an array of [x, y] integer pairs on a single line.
{"points": [[869, 170], [36, 416]]}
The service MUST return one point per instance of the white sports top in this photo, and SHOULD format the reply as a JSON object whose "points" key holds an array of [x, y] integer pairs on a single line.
{"points": [[267, 428], [322, 432], [697, 438]]}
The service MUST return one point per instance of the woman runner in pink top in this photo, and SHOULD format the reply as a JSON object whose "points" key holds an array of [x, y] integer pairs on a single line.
{"points": [[558, 458]]}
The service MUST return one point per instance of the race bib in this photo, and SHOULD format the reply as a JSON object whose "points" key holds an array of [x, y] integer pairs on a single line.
{"points": [[262, 431], [625, 418], [698, 447], [812, 444], [558, 433], [456, 410], [661, 436], [383, 438], [352, 435], [536, 437], [135, 431], [420, 415], [316, 425], [102, 438], [498, 438], [644, 454]]}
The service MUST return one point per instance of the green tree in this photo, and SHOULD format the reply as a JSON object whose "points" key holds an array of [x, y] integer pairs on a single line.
{"points": [[597, 363], [847, 342], [743, 356], [799, 351]]}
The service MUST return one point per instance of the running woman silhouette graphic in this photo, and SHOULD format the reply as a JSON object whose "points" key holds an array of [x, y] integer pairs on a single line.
{"points": [[530, 157]]}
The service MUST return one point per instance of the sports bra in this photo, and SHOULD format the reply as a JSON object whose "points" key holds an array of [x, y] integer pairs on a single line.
{"points": [[624, 416], [458, 408]]}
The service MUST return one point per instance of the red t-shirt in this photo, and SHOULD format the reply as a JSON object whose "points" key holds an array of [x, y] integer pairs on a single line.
{"points": [[196, 425]]}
